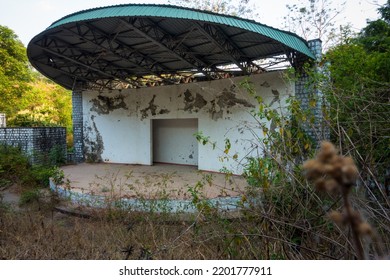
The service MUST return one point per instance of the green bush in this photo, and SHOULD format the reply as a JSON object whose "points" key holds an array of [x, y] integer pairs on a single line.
{"points": [[29, 196], [57, 155], [13, 164], [15, 168]]}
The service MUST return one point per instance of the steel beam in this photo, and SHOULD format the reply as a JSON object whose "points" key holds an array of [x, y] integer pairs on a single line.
{"points": [[219, 38], [133, 52], [78, 62], [164, 40]]}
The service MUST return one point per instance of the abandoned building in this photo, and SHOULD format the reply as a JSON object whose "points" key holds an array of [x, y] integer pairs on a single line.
{"points": [[147, 78]]}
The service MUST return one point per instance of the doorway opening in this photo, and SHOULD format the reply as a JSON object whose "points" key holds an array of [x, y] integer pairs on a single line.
{"points": [[174, 141]]}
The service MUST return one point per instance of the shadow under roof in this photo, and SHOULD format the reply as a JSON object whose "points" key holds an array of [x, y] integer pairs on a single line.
{"points": [[137, 45]]}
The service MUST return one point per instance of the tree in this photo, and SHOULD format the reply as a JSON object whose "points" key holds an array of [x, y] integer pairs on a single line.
{"points": [[314, 19], [359, 95], [375, 37], [44, 104], [28, 98], [14, 71], [241, 8]]}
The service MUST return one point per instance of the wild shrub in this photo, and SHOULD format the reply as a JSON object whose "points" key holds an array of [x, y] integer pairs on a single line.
{"points": [[281, 212], [13, 164], [15, 168]]}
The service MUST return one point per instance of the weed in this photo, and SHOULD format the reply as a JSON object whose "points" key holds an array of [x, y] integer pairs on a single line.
{"points": [[58, 177], [57, 155], [16, 168], [29, 196], [331, 172]]}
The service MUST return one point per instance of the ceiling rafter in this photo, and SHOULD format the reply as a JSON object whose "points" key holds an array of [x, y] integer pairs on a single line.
{"points": [[94, 78], [87, 59], [220, 39], [80, 63], [163, 39], [133, 52], [71, 74]]}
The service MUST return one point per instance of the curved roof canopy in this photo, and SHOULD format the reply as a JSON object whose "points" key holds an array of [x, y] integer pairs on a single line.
{"points": [[137, 45]]}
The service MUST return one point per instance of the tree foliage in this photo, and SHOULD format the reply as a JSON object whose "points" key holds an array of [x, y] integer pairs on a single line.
{"points": [[44, 104], [359, 95], [27, 98], [375, 37], [14, 71]]}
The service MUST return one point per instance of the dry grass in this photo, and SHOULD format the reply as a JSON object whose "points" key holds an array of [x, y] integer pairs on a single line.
{"points": [[112, 234], [291, 221], [44, 234]]}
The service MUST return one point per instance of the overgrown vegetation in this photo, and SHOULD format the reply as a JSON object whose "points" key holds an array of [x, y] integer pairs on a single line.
{"points": [[359, 97], [282, 215], [14, 72], [26, 97], [17, 170]]}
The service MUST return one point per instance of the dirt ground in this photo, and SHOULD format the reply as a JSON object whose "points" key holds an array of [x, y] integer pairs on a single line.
{"points": [[167, 180], [11, 196]]}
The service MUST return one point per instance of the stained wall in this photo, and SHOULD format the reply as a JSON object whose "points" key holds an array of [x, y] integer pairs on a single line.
{"points": [[118, 125]]}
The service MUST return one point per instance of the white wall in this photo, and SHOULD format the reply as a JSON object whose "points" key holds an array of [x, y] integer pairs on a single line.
{"points": [[118, 127]]}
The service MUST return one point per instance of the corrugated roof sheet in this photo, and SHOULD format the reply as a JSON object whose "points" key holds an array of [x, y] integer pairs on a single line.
{"points": [[114, 46], [144, 10]]}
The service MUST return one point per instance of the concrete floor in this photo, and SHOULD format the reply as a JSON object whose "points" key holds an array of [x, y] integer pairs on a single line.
{"points": [[149, 182]]}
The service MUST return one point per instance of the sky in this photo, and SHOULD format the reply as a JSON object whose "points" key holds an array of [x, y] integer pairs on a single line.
{"points": [[28, 18]]}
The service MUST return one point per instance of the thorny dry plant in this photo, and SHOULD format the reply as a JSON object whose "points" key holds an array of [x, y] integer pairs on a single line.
{"points": [[334, 173]]}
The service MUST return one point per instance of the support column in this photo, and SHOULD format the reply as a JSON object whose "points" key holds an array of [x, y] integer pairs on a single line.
{"points": [[3, 122], [311, 97], [77, 117]]}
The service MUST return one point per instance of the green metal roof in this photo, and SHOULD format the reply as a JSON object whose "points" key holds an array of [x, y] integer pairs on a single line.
{"points": [[169, 11], [125, 42]]}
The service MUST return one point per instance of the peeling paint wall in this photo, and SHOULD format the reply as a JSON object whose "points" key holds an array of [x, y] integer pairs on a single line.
{"points": [[118, 126]]}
